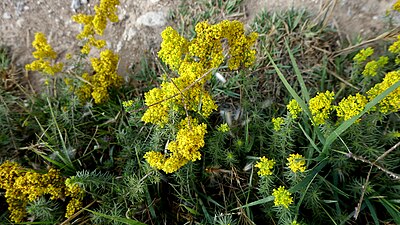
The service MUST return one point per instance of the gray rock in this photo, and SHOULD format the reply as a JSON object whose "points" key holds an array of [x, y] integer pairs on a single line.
{"points": [[152, 19], [75, 4]]}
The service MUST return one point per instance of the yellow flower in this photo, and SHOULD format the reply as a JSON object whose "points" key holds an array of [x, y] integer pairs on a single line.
{"points": [[96, 24], [173, 47], [294, 108], [185, 148], [396, 6], [296, 163], [105, 77], [193, 60], [277, 123], [265, 165], [223, 128], [363, 55], [351, 106], [320, 106], [23, 186], [372, 67], [44, 54], [282, 197], [395, 47], [391, 103], [189, 140]]}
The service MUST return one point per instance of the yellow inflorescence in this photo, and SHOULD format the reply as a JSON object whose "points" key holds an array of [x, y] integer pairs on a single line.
{"points": [[351, 106], [372, 67], [277, 123], [391, 103], [363, 55], [44, 54], [173, 48], [193, 60], [294, 108], [265, 165], [396, 6], [223, 128], [320, 106], [23, 186], [105, 77], [282, 197], [96, 24], [296, 163], [189, 140]]}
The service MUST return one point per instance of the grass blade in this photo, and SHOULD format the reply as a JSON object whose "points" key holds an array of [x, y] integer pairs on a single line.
{"points": [[292, 92], [116, 218], [258, 202], [304, 90]]}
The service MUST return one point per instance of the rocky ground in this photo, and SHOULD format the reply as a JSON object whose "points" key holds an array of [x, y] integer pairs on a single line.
{"points": [[141, 22]]}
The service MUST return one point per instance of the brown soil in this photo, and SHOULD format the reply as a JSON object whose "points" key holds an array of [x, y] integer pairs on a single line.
{"points": [[132, 38]]}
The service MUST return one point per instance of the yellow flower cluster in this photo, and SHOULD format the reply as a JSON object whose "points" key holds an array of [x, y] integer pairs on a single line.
{"points": [[372, 67], [391, 103], [296, 163], [396, 6], [363, 55], [105, 77], [223, 128], [173, 48], [395, 47], [193, 60], [294, 108], [351, 106], [177, 96], [96, 24], [44, 54], [265, 165], [76, 193], [282, 197], [320, 106], [23, 186], [277, 123], [189, 140]]}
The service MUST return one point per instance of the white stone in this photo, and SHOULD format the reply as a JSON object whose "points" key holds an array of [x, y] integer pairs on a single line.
{"points": [[20, 22], [152, 19], [129, 33], [6, 16]]}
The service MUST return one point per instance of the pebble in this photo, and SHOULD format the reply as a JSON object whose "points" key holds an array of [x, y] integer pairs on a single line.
{"points": [[152, 19], [6, 16]]}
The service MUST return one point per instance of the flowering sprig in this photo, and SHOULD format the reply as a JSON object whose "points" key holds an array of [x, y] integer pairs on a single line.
{"points": [[296, 162], [106, 76], [265, 165], [23, 186], [277, 122], [351, 106], [320, 107], [391, 103], [44, 54], [363, 55], [282, 197], [294, 108], [96, 24], [193, 60], [185, 148]]}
